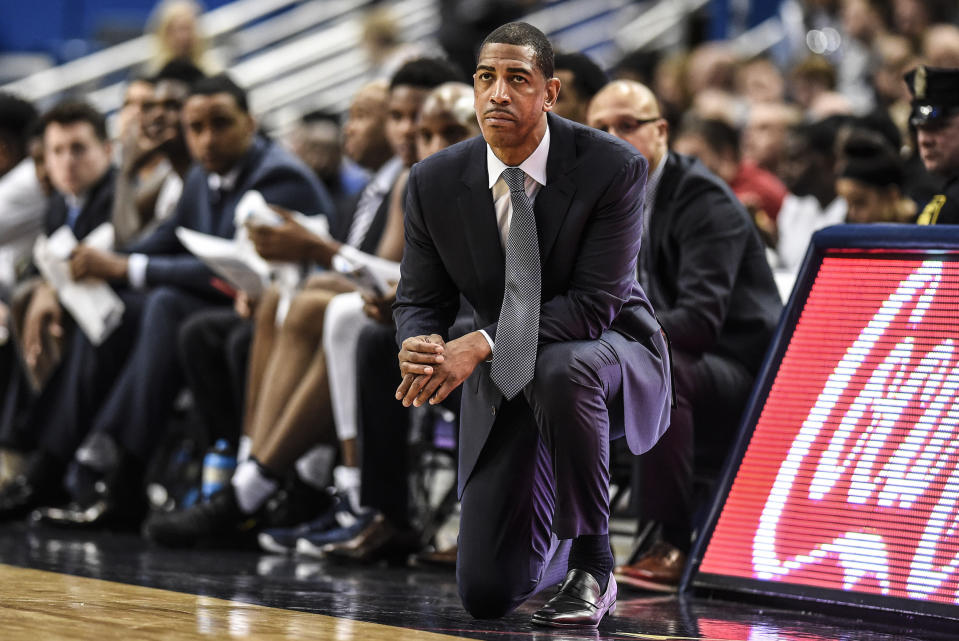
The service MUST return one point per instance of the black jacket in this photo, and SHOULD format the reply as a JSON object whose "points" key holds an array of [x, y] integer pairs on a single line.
{"points": [[711, 285]]}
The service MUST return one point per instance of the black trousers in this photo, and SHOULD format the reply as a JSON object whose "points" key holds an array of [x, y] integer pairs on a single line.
{"points": [[384, 426], [542, 479], [126, 386], [711, 394], [214, 349]]}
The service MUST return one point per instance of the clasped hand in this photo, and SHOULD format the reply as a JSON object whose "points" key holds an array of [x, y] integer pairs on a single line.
{"points": [[432, 368]]}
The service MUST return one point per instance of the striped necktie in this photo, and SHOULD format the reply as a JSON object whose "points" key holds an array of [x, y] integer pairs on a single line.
{"points": [[517, 334]]}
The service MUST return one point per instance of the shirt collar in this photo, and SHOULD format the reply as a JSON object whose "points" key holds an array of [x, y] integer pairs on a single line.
{"points": [[534, 165], [224, 182], [75, 202]]}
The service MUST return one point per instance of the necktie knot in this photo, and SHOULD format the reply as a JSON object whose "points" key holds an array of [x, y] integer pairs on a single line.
{"points": [[515, 179]]}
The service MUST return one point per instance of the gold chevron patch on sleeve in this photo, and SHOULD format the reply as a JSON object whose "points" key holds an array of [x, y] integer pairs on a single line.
{"points": [[930, 213]]}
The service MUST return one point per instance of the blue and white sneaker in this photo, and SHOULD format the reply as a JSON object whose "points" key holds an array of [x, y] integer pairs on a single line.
{"points": [[347, 526], [282, 540]]}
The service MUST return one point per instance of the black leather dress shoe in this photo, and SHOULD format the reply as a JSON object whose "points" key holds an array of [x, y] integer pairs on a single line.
{"points": [[103, 509], [18, 498], [21, 495], [578, 602]]}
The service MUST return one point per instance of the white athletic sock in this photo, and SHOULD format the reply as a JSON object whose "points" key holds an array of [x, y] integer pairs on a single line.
{"points": [[347, 481], [252, 486], [243, 449], [314, 467]]}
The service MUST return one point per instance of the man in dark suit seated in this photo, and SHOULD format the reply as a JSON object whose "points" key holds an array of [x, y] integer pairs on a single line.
{"points": [[115, 398], [77, 154], [704, 267], [538, 225]]}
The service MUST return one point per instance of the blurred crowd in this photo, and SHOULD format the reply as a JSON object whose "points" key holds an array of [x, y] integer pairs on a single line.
{"points": [[211, 411]]}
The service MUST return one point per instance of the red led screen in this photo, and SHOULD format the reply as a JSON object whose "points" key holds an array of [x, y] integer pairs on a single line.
{"points": [[851, 478]]}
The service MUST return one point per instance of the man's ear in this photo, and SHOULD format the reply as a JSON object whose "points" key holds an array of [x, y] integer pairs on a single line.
{"points": [[552, 93]]}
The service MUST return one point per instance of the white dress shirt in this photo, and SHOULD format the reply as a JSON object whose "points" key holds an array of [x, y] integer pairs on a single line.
{"points": [[137, 263], [535, 169], [23, 205]]}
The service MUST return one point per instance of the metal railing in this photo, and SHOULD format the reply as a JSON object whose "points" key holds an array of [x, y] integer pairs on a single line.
{"points": [[298, 55]]}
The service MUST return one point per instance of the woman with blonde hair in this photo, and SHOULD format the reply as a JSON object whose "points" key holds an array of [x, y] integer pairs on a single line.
{"points": [[175, 25]]}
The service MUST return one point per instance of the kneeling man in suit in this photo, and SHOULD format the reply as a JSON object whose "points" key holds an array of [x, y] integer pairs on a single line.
{"points": [[537, 224]]}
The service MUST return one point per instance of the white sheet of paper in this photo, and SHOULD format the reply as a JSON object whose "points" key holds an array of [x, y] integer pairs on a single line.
{"points": [[243, 269], [92, 303]]}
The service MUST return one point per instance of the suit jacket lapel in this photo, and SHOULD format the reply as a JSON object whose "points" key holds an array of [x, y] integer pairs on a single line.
{"points": [[553, 200], [479, 220]]}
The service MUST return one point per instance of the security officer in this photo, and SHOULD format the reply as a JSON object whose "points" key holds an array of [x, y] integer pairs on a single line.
{"points": [[935, 115]]}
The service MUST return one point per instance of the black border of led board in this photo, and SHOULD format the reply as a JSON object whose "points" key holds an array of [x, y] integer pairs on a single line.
{"points": [[858, 241]]}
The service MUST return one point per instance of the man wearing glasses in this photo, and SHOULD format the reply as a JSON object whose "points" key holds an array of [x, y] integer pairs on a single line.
{"points": [[705, 271], [935, 115]]}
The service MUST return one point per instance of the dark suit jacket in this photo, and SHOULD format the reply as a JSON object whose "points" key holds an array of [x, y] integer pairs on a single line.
{"points": [[96, 210], [711, 284], [589, 222], [280, 177]]}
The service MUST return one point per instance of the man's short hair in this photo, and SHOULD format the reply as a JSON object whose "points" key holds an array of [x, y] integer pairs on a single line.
{"points": [[72, 111], [220, 83], [588, 77], [425, 73], [718, 135], [16, 117], [523, 34], [179, 70]]}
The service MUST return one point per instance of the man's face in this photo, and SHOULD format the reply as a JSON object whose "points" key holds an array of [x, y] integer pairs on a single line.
{"points": [[131, 113], [403, 110], [569, 103], [939, 146], [802, 168], [75, 158], [218, 132], [633, 119], [438, 129], [511, 96], [161, 114], [364, 134], [318, 145], [764, 137]]}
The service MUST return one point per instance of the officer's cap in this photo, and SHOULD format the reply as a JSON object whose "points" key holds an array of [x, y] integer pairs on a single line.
{"points": [[935, 95]]}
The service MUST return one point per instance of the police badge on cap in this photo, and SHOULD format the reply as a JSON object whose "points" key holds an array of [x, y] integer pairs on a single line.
{"points": [[935, 95]]}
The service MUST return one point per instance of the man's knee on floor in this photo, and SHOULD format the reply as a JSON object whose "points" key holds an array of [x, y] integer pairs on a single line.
{"points": [[487, 596]]}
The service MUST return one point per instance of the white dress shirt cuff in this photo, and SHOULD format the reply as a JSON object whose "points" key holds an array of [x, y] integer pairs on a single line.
{"points": [[137, 270], [490, 341]]}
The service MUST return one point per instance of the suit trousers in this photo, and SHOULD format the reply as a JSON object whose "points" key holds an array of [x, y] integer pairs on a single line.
{"points": [[711, 394], [126, 386], [139, 406], [62, 415], [384, 425], [213, 342], [541, 480]]}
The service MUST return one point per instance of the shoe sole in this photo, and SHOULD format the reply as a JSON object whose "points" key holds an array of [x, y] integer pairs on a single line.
{"points": [[649, 586], [556, 624], [269, 544], [306, 548]]}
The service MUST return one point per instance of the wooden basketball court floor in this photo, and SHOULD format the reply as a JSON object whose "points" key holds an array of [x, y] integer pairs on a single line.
{"points": [[57, 584]]}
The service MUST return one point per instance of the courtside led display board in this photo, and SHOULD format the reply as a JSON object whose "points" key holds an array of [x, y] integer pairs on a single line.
{"points": [[844, 485]]}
